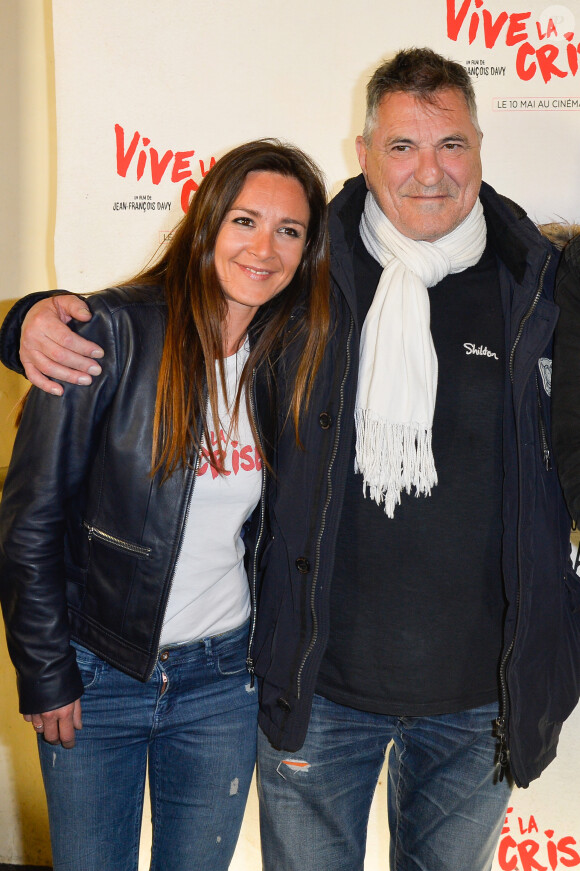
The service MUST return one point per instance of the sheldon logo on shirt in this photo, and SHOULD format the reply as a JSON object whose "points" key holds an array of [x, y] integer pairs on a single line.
{"points": [[480, 351]]}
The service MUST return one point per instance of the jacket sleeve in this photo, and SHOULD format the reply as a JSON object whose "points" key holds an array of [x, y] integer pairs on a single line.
{"points": [[566, 377], [52, 456], [12, 324]]}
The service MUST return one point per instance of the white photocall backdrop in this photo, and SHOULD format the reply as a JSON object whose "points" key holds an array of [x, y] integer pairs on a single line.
{"points": [[149, 94]]}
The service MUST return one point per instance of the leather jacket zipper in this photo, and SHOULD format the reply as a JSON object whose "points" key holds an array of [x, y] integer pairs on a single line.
{"points": [[501, 724], [191, 476], [314, 616], [135, 550], [253, 581]]}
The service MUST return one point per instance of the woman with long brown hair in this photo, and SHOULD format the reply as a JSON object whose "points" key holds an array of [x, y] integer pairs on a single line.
{"points": [[123, 574]]}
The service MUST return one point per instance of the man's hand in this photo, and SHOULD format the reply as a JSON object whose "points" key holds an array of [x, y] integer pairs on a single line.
{"points": [[49, 348], [58, 726]]}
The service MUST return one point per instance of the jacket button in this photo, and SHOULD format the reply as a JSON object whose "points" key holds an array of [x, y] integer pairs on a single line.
{"points": [[283, 704], [303, 565], [325, 420], [164, 656]]}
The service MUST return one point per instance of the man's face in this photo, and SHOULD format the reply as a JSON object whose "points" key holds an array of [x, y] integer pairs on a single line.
{"points": [[423, 164]]}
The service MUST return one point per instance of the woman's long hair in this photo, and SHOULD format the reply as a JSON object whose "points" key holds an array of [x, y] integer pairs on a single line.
{"points": [[187, 387]]}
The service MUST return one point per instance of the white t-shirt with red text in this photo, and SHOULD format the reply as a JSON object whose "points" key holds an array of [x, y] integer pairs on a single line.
{"points": [[210, 593]]}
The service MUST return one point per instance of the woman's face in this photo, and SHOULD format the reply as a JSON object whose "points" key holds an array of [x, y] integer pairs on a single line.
{"points": [[260, 244]]}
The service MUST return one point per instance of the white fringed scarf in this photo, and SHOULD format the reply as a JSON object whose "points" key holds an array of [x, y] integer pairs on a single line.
{"points": [[397, 381]]}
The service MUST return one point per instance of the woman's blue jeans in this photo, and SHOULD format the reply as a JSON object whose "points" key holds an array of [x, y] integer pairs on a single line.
{"points": [[194, 721], [446, 806]]}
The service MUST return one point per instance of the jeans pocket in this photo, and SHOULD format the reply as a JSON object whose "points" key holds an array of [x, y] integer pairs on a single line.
{"points": [[90, 666], [232, 658]]}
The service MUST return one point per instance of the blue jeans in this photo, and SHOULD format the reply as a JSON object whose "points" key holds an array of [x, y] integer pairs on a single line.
{"points": [[445, 805], [195, 722]]}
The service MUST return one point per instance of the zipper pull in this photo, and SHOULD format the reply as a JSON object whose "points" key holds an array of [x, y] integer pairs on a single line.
{"points": [[252, 671], [503, 753], [542, 430]]}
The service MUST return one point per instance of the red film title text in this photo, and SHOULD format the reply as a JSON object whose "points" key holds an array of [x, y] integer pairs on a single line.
{"points": [[518, 29], [139, 154], [530, 849]]}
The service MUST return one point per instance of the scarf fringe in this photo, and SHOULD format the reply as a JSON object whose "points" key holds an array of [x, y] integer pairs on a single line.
{"points": [[393, 457]]}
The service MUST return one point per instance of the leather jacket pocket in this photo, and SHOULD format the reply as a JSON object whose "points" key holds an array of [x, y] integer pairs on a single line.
{"points": [[127, 547]]}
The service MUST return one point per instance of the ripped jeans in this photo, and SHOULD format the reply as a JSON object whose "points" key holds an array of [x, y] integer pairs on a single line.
{"points": [[194, 721], [446, 806]]}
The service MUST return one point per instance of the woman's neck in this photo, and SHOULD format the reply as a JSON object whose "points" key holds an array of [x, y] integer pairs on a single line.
{"points": [[235, 326]]}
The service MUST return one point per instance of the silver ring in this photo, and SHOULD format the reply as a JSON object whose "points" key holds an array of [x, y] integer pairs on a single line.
{"points": [[39, 726]]}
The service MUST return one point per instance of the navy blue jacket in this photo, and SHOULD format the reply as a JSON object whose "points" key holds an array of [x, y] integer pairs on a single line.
{"points": [[566, 418], [539, 674]]}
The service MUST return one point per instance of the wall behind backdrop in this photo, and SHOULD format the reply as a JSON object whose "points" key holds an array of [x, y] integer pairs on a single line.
{"points": [[148, 95]]}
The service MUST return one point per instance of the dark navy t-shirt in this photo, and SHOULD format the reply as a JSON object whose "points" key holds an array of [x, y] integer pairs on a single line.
{"points": [[417, 601]]}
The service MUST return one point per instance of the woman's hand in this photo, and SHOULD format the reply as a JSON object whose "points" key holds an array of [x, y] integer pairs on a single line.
{"points": [[58, 726], [49, 348]]}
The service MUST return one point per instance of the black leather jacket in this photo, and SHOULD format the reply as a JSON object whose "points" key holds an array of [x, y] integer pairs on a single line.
{"points": [[88, 539]]}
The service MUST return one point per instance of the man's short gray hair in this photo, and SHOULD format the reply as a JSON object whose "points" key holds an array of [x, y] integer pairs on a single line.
{"points": [[421, 72]]}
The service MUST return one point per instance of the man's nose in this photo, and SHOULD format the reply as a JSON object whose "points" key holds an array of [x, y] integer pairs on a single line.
{"points": [[428, 170]]}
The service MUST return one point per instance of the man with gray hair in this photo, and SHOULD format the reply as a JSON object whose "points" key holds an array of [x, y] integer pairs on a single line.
{"points": [[448, 537], [413, 589]]}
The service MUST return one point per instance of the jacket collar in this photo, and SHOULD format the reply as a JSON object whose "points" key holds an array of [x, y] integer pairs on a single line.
{"points": [[512, 236], [344, 218]]}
